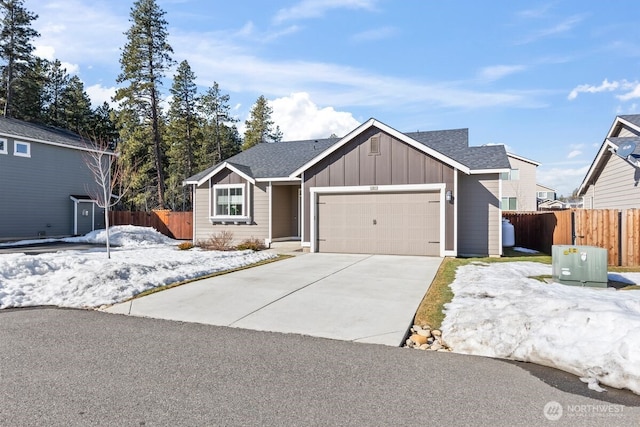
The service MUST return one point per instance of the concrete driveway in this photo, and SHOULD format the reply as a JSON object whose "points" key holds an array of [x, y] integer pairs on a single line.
{"points": [[363, 298]]}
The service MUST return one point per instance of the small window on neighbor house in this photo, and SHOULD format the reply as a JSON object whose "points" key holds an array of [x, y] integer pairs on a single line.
{"points": [[509, 204], [374, 145], [22, 149], [512, 175], [3, 146]]}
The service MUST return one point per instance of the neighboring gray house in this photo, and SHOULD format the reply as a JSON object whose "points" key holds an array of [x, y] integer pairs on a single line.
{"points": [[376, 190], [519, 185], [612, 180], [46, 183]]}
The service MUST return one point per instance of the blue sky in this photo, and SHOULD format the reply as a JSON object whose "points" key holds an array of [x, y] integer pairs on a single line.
{"points": [[545, 78]]}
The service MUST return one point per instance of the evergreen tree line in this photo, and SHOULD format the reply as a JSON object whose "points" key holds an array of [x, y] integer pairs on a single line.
{"points": [[159, 143]]}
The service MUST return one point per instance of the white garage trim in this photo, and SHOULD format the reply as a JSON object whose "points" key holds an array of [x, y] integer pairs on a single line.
{"points": [[315, 191]]}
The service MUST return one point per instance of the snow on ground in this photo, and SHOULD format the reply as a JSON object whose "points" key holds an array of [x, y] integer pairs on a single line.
{"points": [[145, 259], [499, 311]]}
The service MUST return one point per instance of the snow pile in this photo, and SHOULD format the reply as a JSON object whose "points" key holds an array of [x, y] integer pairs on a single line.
{"points": [[126, 235], [498, 311], [90, 279]]}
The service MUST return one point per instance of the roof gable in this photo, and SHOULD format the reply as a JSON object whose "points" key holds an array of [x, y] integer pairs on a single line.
{"points": [[609, 146], [394, 133]]}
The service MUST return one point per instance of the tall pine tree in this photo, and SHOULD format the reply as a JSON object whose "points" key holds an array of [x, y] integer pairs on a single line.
{"points": [[220, 141], [16, 49], [259, 126], [145, 58], [183, 136]]}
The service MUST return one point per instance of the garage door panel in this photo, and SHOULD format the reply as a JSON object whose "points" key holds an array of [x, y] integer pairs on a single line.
{"points": [[379, 223]]}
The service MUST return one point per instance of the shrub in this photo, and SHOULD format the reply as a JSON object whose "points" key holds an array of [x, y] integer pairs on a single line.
{"points": [[252, 243], [184, 246], [220, 241]]}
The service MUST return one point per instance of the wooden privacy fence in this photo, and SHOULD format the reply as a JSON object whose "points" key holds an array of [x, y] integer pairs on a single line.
{"points": [[617, 231], [177, 225]]}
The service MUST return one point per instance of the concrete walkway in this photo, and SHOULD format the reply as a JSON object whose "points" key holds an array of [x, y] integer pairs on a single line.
{"points": [[363, 298]]}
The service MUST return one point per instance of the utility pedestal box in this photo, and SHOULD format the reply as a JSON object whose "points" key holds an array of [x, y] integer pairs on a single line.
{"points": [[579, 265]]}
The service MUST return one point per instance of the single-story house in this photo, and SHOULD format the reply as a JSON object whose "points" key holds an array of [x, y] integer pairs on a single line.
{"points": [[47, 184], [612, 179], [376, 190], [519, 184], [552, 204]]}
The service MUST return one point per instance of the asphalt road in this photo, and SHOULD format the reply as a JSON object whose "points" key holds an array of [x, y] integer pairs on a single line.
{"points": [[41, 248], [86, 368]]}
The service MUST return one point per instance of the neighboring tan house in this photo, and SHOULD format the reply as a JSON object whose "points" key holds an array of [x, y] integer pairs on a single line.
{"points": [[45, 182], [544, 193], [376, 190], [612, 180], [519, 185]]}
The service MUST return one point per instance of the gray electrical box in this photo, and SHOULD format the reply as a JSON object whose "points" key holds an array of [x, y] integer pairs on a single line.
{"points": [[579, 265]]}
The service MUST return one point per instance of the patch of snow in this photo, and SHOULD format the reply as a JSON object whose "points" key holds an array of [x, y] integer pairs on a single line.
{"points": [[499, 311], [145, 259], [525, 250]]}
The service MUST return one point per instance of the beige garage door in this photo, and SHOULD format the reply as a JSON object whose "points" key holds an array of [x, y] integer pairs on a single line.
{"points": [[379, 223]]}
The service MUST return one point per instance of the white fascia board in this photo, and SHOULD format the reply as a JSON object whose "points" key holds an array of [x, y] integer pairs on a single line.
{"points": [[524, 159], [482, 171], [396, 134], [279, 179], [606, 145], [217, 170], [619, 120]]}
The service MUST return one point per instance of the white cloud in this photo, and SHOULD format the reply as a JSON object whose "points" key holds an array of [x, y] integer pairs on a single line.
{"points": [[497, 72], [316, 8], [100, 94], [632, 94], [44, 52], [573, 153], [606, 86], [71, 68], [562, 27], [563, 178], [300, 118]]}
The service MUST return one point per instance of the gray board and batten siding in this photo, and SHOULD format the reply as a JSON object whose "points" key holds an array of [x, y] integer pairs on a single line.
{"points": [[35, 195]]}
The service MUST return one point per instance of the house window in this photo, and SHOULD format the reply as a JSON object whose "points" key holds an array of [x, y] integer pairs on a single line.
{"points": [[509, 204], [3, 146], [21, 149], [229, 200], [512, 175]]}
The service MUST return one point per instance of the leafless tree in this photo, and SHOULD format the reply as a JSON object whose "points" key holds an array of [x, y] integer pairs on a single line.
{"points": [[108, 174]]}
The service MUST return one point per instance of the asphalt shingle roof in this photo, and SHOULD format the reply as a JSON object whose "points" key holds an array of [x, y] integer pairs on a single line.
{"points": [[633, 118], [622, 140], [280, 159], [19, 128], [273, 160]]}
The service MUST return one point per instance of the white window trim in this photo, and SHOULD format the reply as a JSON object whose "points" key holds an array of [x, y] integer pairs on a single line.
{"points": [[18, 154], [234, 219], [4, 150]]}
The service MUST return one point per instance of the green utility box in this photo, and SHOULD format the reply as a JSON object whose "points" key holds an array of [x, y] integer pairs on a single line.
{"points": [[579, 265]]}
